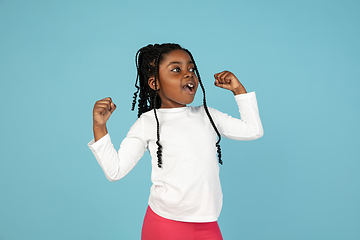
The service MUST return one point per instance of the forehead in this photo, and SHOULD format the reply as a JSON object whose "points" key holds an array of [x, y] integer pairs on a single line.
{"points": [[177, 55]]}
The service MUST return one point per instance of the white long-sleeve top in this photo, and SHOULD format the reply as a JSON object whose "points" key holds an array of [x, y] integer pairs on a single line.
{"points": [[187, 187]]}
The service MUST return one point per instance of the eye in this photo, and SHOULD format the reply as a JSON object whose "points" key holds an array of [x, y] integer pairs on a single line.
{"points": [[192, 69], [176, 69]]}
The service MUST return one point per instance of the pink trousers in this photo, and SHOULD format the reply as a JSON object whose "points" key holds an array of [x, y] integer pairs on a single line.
{"points": [[159, 228]]}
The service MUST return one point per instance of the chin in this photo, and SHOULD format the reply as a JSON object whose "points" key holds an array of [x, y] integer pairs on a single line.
{"points": [[189, 102]]}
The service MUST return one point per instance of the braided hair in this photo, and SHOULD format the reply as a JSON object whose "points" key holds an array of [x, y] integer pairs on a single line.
{"points": [[147, 61]]}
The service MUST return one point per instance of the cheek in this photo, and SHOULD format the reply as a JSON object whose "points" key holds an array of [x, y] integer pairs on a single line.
{"points": [[164, 78]]}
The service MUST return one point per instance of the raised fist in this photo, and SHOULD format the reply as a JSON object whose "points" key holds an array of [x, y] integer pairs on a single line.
{"points": [[102, 111]]}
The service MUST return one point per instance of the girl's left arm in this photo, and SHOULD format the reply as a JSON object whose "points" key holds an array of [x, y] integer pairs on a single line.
{"points": [[249, 126]]}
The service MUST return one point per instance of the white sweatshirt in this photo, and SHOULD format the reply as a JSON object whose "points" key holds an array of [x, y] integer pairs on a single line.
{"points": [[187, 187]]}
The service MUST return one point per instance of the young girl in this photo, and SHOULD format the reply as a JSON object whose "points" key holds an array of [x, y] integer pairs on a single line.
{"points": [[185, 198]]}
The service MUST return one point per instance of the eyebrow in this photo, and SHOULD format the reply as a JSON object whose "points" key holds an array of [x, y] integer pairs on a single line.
{"points": [[190, 62]]}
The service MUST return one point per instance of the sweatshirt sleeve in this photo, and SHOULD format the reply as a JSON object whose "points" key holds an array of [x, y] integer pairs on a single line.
{"points": [[248, 127], [116, 164]]}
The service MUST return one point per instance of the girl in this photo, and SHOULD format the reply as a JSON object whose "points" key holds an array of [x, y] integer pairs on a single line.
{"points": [[185, 198]]}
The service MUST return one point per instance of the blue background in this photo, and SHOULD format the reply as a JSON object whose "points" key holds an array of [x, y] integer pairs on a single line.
{"points": [[300, 181]]}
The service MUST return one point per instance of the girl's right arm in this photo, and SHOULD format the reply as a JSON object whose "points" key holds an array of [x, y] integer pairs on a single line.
{"points": [[101, 113], [115, 164]]}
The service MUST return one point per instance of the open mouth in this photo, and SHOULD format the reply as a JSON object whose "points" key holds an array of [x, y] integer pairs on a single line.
{"points": [[190, 88]]}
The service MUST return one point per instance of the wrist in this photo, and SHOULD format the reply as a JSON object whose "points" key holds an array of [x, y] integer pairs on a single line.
{"points": [[99, 131], [99, 125], [239, 90]]}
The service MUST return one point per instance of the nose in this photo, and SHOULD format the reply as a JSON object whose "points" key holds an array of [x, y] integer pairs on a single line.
{"points": [[188, 74]]}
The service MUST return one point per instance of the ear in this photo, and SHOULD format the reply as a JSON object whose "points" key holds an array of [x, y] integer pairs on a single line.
{"points": [[151, 83]]}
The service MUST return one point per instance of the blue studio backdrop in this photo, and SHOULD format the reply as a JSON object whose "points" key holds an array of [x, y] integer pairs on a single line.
{"points": [[300, 181]]}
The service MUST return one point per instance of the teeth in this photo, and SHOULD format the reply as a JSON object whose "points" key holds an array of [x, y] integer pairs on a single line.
{"points": [[190, 85]]}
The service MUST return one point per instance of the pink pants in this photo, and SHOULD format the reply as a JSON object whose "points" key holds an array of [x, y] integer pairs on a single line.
{"points": [[159, 228]]}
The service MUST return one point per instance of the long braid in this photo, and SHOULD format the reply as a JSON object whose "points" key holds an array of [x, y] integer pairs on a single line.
{"points": [[206, 109], [212, 123], [159, 150], [136, 82]]}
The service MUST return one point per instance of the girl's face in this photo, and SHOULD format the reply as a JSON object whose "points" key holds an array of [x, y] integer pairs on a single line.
{"points": [[177, 83]]}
